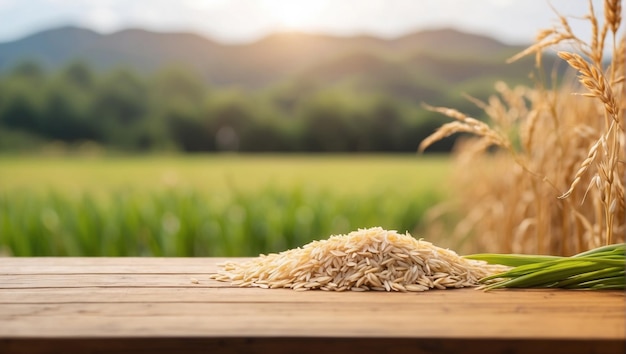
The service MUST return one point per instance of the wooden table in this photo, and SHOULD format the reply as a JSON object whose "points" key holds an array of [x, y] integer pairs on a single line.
{"points": [[149, 305]]}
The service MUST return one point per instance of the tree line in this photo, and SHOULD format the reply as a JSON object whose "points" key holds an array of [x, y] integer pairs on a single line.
{"points": [[173, 109]]}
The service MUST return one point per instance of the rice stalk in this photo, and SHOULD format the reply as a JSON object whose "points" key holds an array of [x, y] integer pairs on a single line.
{"points": [[545, 172]]}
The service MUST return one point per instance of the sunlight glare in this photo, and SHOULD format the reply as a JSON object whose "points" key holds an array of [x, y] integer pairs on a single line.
{"points": [[295, 14]]}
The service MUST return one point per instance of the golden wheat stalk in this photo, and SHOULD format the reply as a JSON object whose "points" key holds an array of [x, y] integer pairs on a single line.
{"points": [[567, 140]]}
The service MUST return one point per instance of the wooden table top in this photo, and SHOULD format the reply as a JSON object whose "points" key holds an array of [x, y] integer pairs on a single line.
{"points": [[170, 305]]}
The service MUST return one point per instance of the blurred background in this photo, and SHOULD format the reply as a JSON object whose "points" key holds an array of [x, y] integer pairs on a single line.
{"points": [[206, 127]]}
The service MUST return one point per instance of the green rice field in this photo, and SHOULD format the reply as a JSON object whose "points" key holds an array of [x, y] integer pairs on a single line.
{"points": [[206, 205]]}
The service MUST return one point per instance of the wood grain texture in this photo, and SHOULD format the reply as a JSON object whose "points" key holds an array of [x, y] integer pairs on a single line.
{"points": [[131, 304]]}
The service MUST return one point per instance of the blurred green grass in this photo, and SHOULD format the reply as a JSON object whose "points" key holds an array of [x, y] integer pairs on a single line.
{"points": [[206, 205]]}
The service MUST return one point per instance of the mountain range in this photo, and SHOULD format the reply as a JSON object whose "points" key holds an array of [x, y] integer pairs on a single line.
{"points": [[418, 61]]}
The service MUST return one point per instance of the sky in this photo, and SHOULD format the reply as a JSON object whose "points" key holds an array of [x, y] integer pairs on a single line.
{"points": [[240, 21]]}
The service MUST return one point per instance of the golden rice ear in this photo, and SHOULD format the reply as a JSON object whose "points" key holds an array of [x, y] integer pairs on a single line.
{"points": [[464, 124], [593, 79], [596, 49], [591, 156], [613, 14]]}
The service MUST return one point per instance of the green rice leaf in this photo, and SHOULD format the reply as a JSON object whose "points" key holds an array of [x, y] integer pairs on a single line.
{"points": [[597, 283], [590, 277], [512, 260], [548, 277], [619, 248], [601, 268]]}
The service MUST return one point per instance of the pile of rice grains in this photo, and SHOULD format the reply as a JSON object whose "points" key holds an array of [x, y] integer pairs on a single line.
{"points": [[366, 259]]}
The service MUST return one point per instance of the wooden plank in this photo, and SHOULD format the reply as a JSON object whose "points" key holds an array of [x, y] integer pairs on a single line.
{"points": [[557, 300], [107, 280], [312, 319], [130, 304], [552, 314], [112, 265]]}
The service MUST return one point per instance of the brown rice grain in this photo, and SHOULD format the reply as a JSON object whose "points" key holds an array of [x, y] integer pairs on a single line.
{"points": [[366, 259]]}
